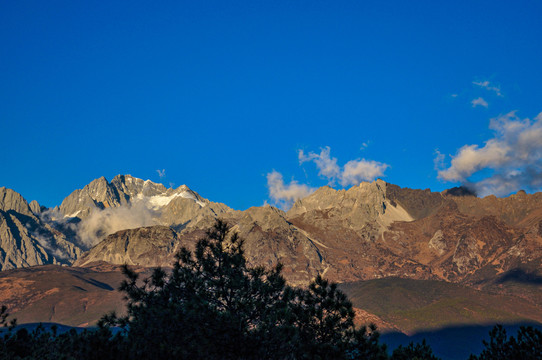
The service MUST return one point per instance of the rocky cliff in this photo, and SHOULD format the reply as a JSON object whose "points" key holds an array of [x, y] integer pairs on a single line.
{"points": [[369, 231], [26, 239], [374, 230]]}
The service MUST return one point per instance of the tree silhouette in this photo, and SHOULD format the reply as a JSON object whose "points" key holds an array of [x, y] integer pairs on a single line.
{"points": [[526, 346], [419, 351], [212, 305]]}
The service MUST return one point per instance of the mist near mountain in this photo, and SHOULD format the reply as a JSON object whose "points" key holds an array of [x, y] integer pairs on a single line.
{"points": [[102, 222]]}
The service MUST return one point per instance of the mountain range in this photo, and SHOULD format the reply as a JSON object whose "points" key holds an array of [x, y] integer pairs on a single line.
{"points": [[370, 232]]}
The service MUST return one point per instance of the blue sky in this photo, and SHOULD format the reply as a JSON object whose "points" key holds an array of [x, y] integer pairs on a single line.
{"points": [[224, 95]]}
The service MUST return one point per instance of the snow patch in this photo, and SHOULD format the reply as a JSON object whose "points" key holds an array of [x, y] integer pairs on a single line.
{"points": [[162, 200], [73, 215]]}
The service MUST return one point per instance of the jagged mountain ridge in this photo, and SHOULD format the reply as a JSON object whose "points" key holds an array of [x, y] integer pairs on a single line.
{"points": [[368, 231], [377, 230], [126, 189], [440, 241], [26, 239], [33, 235]]}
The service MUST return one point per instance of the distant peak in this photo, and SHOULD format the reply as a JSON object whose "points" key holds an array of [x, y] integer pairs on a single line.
{"points": [[183, 188]]}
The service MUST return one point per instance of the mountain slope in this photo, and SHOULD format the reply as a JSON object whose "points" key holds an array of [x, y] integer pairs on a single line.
{"points": [[66, 295], [415, 305], [147, 246], [369, 231], [26, 239]]}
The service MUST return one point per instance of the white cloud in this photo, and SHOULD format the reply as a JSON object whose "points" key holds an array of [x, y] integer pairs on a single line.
{"points": [[356, 171], [353, 172], [326, 165], [284, 195], [101, 223], [487, 85], [514, 156], [479, 102]]}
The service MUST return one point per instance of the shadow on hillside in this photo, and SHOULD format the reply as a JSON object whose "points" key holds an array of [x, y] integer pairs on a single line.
{"points": [[95, 282], [452, 343], [521, 276]]}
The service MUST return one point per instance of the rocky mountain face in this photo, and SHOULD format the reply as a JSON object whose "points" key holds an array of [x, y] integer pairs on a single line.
{"points": [[26, 239], [146, 246], [268, 239], [32, 235], [420, 234], [174, 207], [369, 231]]}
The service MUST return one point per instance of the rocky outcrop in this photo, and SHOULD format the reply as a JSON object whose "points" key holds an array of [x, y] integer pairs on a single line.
{"points": [[378, 230], [13, 201], [359, 208], [99, 194], [517, 210], [35, 207], [26, 240], [147, 246], [33, 235], [270, 238], [182, 212]]}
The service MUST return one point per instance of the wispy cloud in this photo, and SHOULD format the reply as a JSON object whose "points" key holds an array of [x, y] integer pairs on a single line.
{"points": [[48, 242], [284, 195], [513, 156], [438, 161], [327, 166], [353, 172], [356, 171], [101, 223], [479, 102], [488, 86]]}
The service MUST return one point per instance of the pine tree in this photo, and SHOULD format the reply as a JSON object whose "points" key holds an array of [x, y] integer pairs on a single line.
{"points": [[214, 306]]}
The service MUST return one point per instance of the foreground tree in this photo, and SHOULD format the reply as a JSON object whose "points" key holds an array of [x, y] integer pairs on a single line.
{"points": [[419, 351], [98, 344], [212, 305], [527, 345]]}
